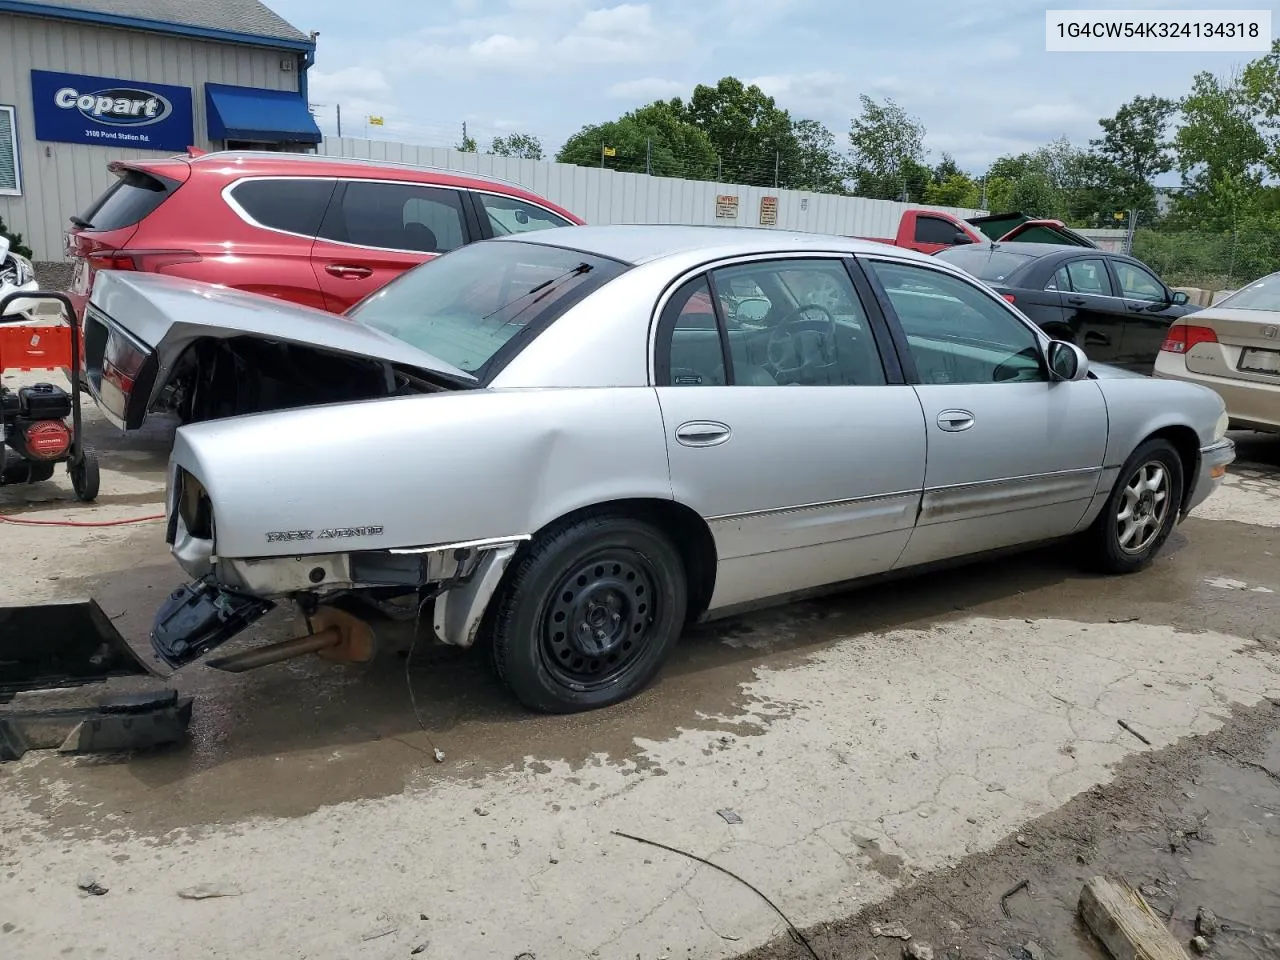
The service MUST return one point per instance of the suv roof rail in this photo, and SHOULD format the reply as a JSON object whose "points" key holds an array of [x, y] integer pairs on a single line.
{"points": [[324, 158]]}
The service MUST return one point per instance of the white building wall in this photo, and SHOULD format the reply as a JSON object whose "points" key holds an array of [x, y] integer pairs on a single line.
{"points": [[61, 179], [602, 196]]}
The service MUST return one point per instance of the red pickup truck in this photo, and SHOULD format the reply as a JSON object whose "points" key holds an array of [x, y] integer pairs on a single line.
{"points": [[929, 231]]}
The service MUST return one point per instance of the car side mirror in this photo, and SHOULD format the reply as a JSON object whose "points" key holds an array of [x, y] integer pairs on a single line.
{"points": [[961, 238], [1180, 298], [1067, 361]]}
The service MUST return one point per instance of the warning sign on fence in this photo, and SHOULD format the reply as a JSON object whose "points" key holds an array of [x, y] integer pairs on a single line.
{"points": [[768, 211], [726, 207]]}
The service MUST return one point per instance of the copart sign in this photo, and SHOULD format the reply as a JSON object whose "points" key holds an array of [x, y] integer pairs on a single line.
{"points": [[73, 108]]}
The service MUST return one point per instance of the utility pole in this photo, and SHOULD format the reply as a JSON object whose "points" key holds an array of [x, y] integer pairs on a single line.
{"points": [[601, 154], [777, 162], [983, 203], [648, 156], [338, 107], [1128, 239]]}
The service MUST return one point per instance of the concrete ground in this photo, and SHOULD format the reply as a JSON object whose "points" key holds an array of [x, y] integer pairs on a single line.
{"points": [[878, 751]]}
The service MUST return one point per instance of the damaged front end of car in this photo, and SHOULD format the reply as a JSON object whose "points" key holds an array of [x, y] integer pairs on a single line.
{"points": [[335, 591]]}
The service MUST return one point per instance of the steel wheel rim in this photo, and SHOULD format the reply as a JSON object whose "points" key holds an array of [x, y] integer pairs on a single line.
{"points": [[1144, 504], [599, 619]]}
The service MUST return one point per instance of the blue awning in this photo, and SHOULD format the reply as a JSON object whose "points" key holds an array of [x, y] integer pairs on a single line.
{"points": [[248, 113]]}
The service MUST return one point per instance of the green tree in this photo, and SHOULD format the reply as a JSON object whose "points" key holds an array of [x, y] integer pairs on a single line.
{"points": [[524, 145], [821, 167], [466, 144], [1222, 153], [1261, 83], [653, 138], [751, 135], [883, 140], [956, 190], [1135, 149], [945, 169]]}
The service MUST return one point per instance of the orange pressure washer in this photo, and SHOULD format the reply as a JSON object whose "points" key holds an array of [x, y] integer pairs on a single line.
{"points": [[34, 433]]}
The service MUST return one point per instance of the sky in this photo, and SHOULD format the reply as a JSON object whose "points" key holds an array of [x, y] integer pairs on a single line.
{"points": [[975, 73]]}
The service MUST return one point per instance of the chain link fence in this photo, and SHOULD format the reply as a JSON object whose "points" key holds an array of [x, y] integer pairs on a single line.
{"points": [[1210, 261]]}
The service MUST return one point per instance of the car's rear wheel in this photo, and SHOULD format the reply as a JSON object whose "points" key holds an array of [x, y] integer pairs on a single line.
{"points": [[1141, 511], [588, 613]]}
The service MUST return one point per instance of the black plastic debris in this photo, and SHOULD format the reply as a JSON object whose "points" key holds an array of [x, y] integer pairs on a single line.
{"points": [[136, 721], [50, 645], [196, 618]]}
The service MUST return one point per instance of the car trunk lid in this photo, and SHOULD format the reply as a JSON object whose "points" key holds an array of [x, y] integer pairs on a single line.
{"points": [[1247, 344], [138, 326], [1007, 227]]}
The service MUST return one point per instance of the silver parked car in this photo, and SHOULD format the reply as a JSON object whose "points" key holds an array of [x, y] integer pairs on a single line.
{"points": [[572, 443]]}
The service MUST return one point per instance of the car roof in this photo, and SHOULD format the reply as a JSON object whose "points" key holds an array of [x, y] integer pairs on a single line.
{"points": [[643, 243], [263, 163]]}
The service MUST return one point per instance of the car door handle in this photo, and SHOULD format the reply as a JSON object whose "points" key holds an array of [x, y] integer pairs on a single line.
{"points": [[348, 271], [955, 421], [703, 433], [1077, 301], [1094, 339]]}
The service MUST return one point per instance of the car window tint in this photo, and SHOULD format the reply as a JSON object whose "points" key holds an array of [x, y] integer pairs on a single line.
{"points": [[294, 206], [985, 262], [691, 350], [128, 200], [397, 216], [1059, 280], [508, 215], [935, 230], [1089, 276], [1138, 284], [957, 333], [796, 322]]}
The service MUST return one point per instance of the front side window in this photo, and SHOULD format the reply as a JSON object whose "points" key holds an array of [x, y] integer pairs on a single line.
{"points": [[463, 308], [10, 181], [508, 215], [1089, 276], [955, 332], [1138, 284], [787, 322], [397, 216]]}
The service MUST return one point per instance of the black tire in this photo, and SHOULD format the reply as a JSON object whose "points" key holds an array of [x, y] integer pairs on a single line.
{"points": [[621, 580], [85, 476], [1156, 518]]}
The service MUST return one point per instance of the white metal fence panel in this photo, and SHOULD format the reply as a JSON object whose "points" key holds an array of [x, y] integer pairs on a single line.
{"points": [[602, 196]]}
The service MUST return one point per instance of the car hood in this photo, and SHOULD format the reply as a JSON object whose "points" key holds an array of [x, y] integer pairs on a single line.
{"points": [[166, 313]]}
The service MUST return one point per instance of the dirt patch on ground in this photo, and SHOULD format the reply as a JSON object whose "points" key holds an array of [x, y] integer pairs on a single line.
{"points": [[1194, 825]]}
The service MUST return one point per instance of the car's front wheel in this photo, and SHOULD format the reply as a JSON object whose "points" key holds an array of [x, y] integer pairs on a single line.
{"points": [[588, 613], [1141, 511]]}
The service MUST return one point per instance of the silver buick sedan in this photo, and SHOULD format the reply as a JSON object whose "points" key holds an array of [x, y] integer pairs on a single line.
{"points": [[569, 444]]}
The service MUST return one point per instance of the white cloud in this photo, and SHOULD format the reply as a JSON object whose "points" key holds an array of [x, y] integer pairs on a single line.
{"points": [[648, 89], [347, 82], [500, 47]]}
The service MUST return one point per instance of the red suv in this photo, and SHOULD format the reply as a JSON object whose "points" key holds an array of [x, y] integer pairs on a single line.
{"points": [[320, 231]]}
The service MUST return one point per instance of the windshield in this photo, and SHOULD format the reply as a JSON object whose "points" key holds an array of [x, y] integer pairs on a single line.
{"points": [[465, 306], [984, 262], [1262, 294]]}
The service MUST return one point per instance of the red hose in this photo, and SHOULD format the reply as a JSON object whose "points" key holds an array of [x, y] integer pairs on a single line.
{"points": [[79, 523]]}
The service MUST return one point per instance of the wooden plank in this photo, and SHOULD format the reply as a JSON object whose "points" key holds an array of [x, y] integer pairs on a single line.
{"points": [[1126, 925]]}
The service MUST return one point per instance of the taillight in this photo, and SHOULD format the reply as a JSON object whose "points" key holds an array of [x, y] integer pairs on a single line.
{"points": [[144, 261], [1182, 337], [122, 361], [47, 439], [1009, 298]]}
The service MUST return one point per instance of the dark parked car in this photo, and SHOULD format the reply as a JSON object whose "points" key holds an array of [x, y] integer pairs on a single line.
{"points": [[1112, 306]]}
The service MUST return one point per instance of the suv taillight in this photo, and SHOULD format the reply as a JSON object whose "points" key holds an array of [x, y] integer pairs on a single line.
{"points": [[1182, 337], [143, 261]]}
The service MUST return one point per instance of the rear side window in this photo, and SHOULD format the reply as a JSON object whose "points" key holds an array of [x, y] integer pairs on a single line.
{"points": [[130, 199], [397, 216], [294, 206]]}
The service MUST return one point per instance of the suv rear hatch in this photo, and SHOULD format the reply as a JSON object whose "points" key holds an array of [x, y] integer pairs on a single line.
{"points": [[97, 238], [1007, 227]]}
